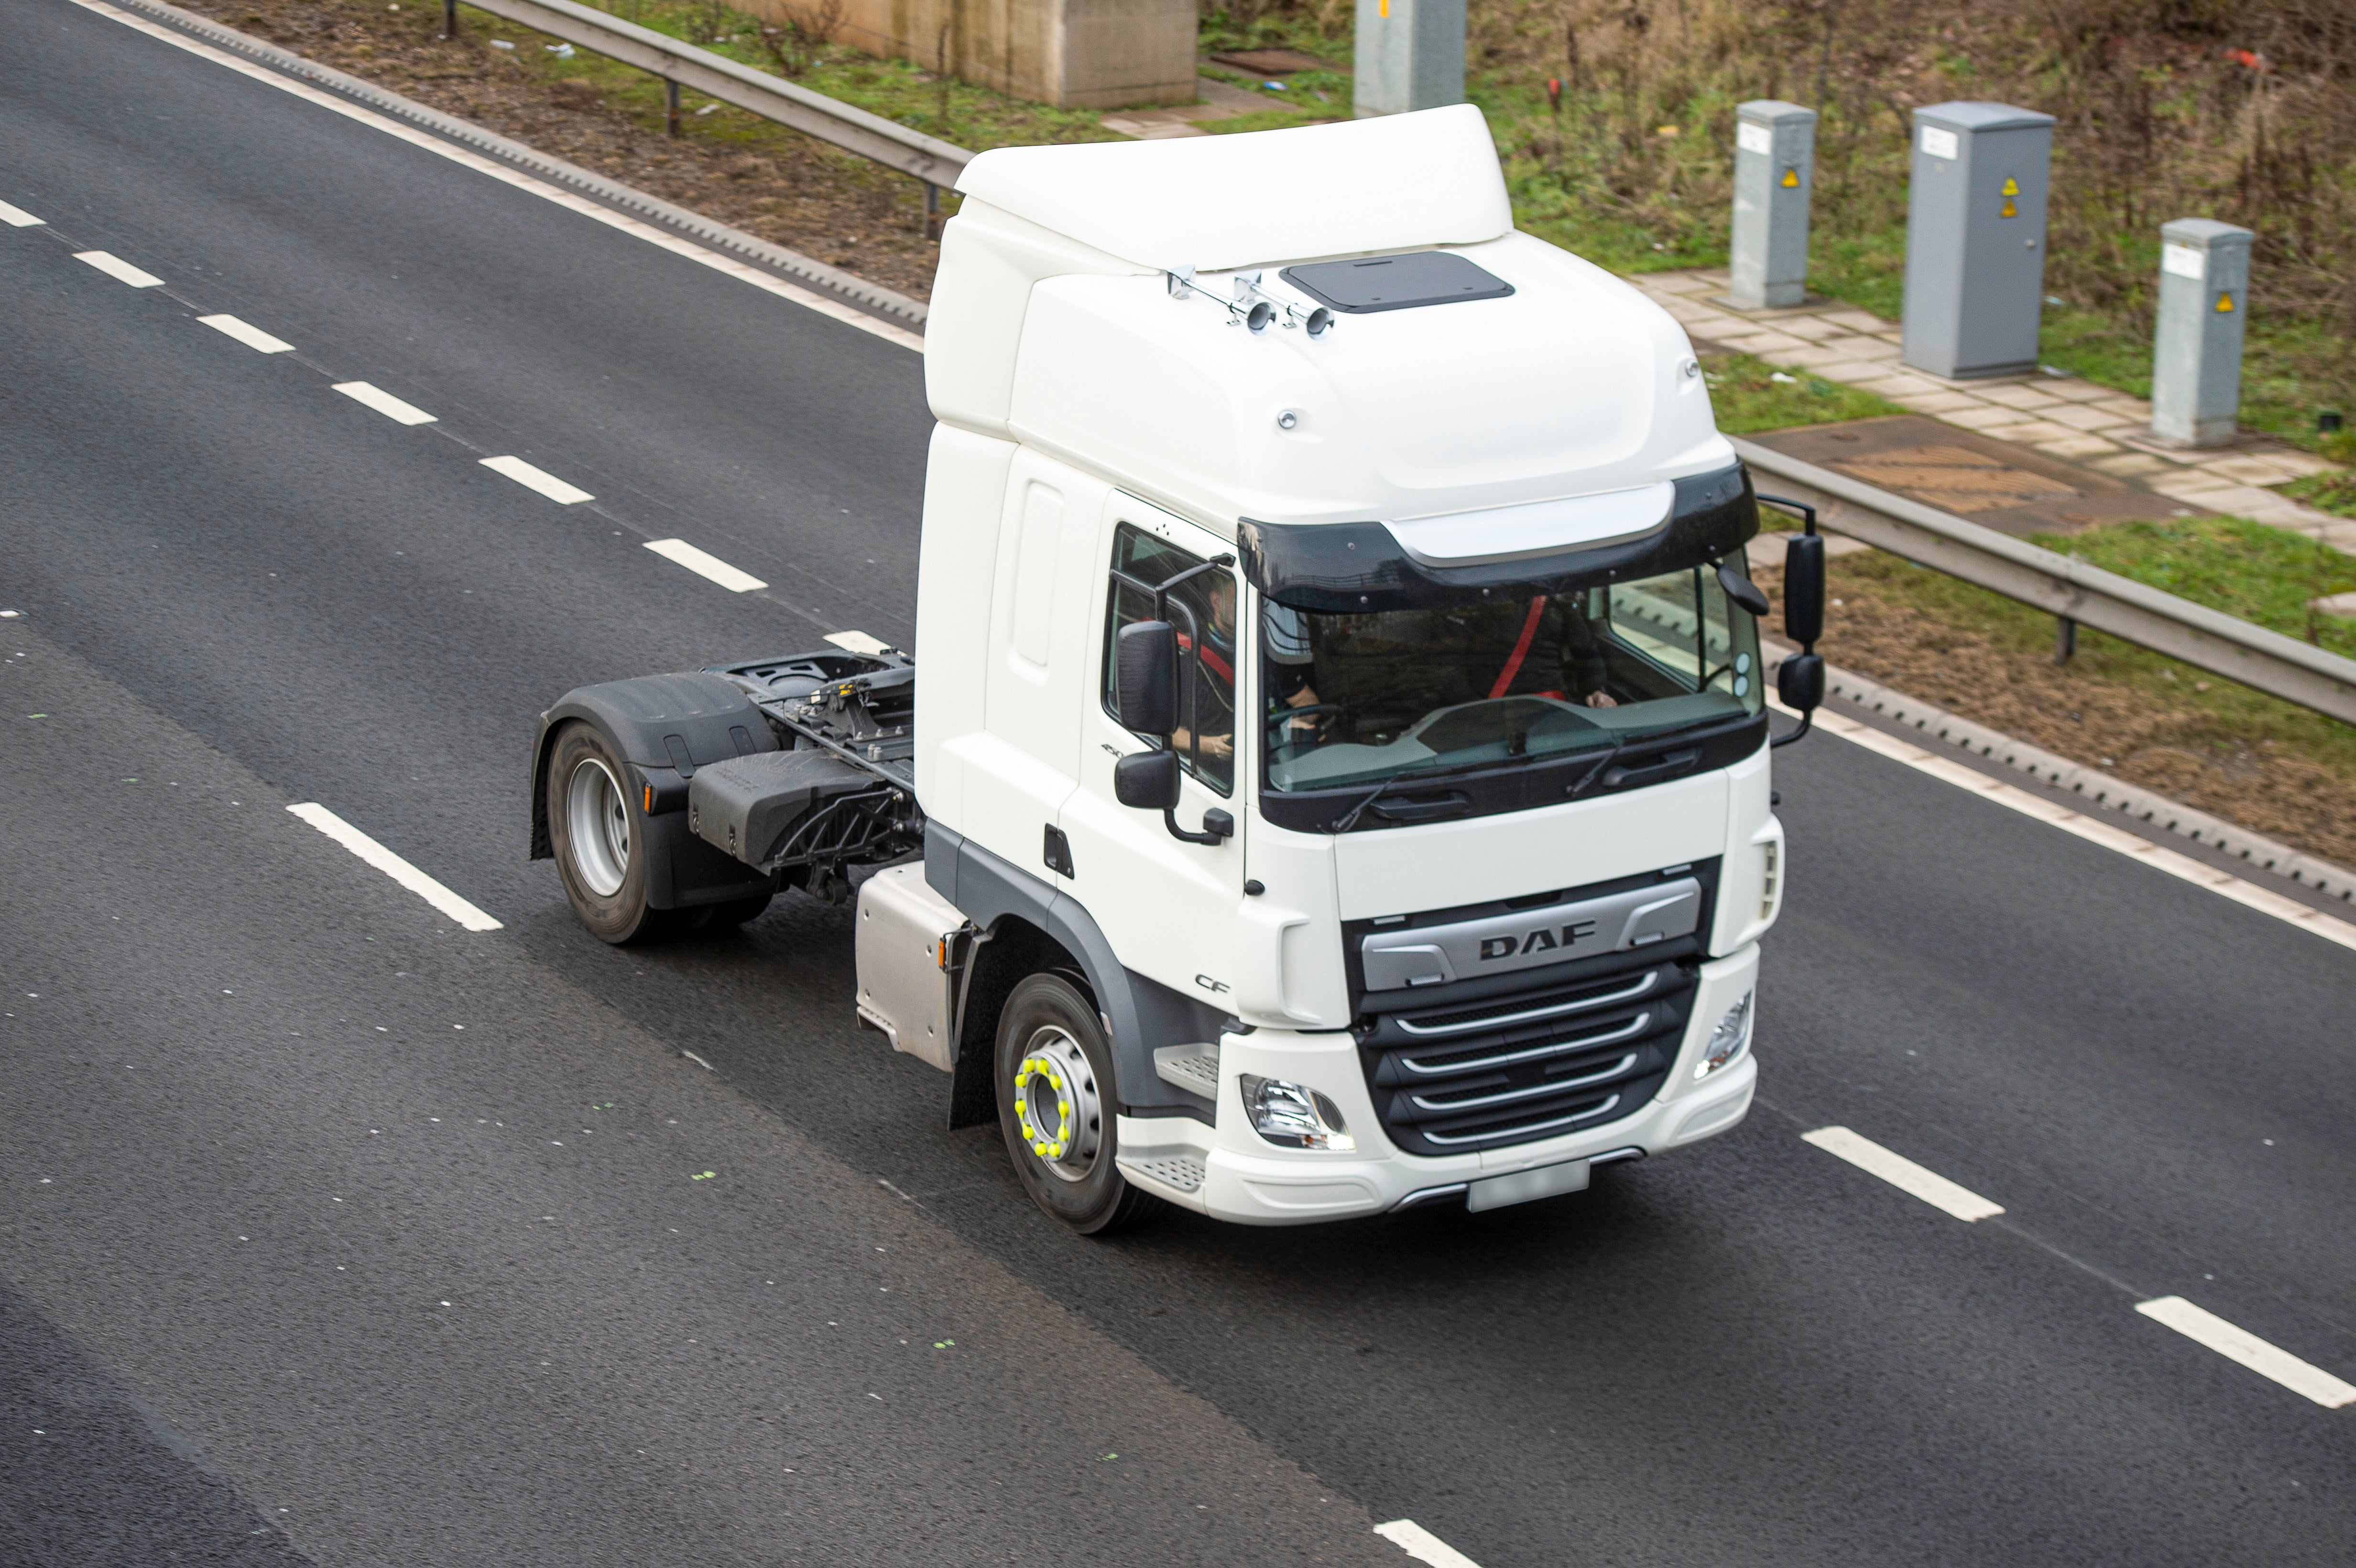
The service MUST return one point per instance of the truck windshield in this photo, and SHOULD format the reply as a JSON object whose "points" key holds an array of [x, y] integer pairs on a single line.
{"points": [[1501, 673]]}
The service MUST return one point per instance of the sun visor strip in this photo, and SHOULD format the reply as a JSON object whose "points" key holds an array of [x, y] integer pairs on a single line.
{"points": [[1358, 567]]}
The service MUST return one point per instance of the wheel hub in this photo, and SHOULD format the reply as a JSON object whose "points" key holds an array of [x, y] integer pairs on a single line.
{"points": [[598, 824], [1056, 1105]]}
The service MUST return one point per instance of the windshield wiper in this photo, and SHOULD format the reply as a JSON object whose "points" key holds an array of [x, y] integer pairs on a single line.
{"points": [[1627, 738], [1349, 819]]}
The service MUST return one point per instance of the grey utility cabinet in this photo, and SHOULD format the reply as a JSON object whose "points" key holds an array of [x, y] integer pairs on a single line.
{"points": [[1411, 56], [2196, 351], [1976, 238], [1774, 169]]}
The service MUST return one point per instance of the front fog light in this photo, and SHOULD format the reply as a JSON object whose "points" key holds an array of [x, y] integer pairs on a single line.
{"points": [[1294, 1114], [1726, 1040]]}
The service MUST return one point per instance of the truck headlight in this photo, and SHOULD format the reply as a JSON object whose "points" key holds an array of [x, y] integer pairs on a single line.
{"points": [[1728, 1040], [1294, 1114]]}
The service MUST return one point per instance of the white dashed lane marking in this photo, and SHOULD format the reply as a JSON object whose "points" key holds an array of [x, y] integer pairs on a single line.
{"points": [[704, 565], [393, 866], [384, 403], [118, 269], [858, 643], [253, 337], [17, 217], [531, 478], [2240, 1345], [849, 315], [1904, 1173], [1422, 1545]]}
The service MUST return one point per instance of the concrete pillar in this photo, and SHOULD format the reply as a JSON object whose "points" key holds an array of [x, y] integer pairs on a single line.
{"points": [[2196, 351], [1975, 240], [1411, 56], [1774, 169], [1083, 53]]}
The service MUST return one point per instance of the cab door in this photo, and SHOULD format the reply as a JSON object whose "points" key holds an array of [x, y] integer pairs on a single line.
{"points": [[1167, 907]]}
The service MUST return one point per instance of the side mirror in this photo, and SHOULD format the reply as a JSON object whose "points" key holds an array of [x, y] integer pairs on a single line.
{"points": [[1800, 681], [1147, 687], [1145, 780], [1803, 590]]}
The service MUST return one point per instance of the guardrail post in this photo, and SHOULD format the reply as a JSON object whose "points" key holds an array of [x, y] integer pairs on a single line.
{"points": [[449, 18], [2065, 639], [671, 101], [1774, 157], [932, 210], [2196, 351]]}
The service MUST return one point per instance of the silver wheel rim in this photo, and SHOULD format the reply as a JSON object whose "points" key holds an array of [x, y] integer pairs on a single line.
{"points": [[599, 825], [1056, 1105]]}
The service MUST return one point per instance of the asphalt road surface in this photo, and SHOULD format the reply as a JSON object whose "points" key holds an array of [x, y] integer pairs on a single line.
{"points": [[333, 1232]]}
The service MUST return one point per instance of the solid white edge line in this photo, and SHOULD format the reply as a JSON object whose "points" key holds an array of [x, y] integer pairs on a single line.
{"points": [[848, 314], [858, 643], [384, 402], [1422, 1545], [2240, 1345], [538, 479], [2014, 798], [708, 566], [17, 217], [1903, 1173], [120, 270], [393, 866], [253, 337]]}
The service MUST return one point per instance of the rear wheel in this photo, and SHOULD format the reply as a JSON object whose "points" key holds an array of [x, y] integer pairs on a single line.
{"points": [[1057, 1108], [599, 839]]}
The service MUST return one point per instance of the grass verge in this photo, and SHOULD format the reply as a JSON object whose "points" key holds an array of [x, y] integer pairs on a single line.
{"points": [[1749, 395]]}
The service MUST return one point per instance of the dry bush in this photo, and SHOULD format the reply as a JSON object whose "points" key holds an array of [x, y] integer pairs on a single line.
{"points": [[793, 45]]}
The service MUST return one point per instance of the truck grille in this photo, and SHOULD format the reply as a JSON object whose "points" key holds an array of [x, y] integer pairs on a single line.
{"points": [[1535, 1065]]}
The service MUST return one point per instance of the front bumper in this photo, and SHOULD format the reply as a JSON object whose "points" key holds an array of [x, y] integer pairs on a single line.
{"points": [[1229, 1172]]}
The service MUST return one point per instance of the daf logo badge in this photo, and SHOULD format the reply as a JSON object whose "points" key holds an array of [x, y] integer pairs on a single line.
{"points": [[1542, 940]]}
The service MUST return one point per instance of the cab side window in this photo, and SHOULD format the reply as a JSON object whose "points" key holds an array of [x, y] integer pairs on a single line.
{"points": [[1203, 609]]}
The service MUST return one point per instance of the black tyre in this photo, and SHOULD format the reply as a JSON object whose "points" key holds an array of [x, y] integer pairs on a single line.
{"points": [[599, 838], [1057, 1108]]}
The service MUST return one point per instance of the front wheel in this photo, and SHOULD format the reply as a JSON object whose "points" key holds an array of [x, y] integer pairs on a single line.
{"points": [[1056, 1106]]}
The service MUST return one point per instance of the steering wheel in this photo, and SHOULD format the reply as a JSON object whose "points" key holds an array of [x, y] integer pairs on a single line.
{"points": [[1307, 710]]}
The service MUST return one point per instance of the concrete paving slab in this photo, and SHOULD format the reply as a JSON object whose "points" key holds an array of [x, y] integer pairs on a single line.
{"points": [[1942, 402], [2078, 416], [1852, 370], [2019, 395], [2029, 433], [2078, 446], [1904, 384], [1985, 416]]}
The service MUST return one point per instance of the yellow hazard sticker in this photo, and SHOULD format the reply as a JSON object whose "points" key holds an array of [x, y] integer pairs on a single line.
{"points": [[2224, 302], [2009, 210], [1791, 179], [2011, 186]]}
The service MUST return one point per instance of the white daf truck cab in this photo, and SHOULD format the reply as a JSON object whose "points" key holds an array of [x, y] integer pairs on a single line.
{"points": [[1339, 777]]}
